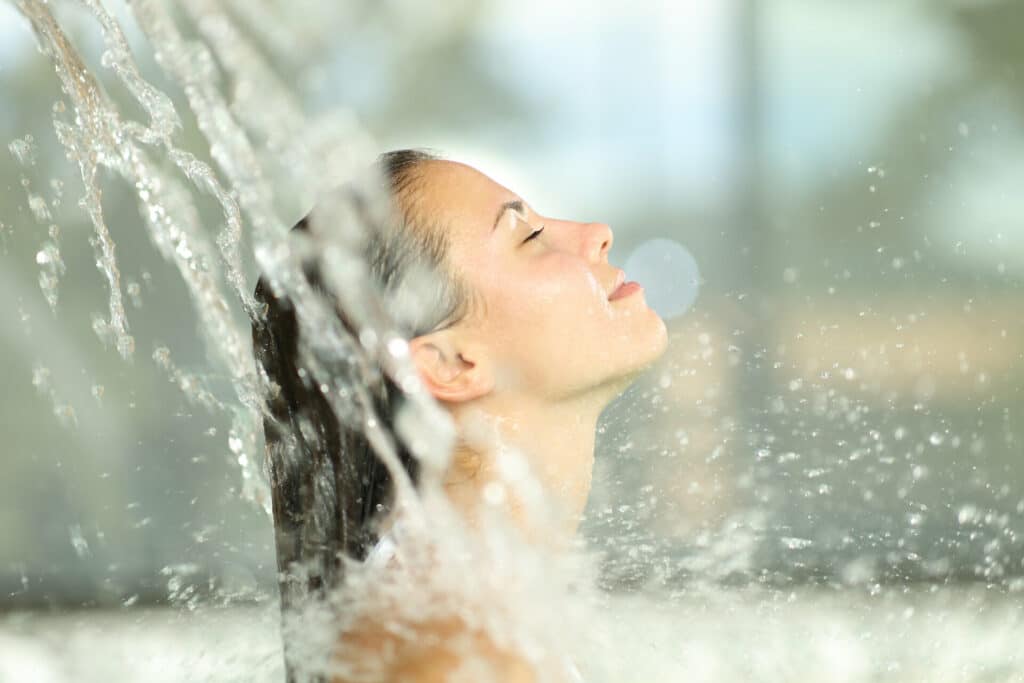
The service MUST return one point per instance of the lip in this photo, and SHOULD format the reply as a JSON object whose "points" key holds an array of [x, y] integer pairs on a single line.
{"points": [[625, 289]]}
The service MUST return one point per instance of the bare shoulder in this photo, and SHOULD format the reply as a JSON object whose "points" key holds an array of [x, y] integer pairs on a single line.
{"points": [[438, 651]]}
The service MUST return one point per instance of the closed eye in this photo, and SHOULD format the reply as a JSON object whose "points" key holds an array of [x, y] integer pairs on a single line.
{"points": [[534, 234]]}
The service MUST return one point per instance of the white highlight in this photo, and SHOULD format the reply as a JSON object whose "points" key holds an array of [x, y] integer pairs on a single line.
{"points": [[668, 273]]}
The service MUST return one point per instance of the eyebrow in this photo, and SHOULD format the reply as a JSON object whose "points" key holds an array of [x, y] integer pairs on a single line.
{"points": [[514, 205]]}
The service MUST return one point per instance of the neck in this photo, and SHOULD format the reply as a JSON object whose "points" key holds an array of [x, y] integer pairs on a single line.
{"points": [[556, 439]]}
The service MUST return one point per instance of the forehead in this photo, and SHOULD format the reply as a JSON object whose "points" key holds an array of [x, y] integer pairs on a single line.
{"points": [[463, 198]]}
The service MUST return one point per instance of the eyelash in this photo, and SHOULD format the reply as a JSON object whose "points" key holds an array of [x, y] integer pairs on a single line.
{"points": [[534, 234]]}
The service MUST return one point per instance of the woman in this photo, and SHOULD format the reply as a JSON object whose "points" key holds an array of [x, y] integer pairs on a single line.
{"points": [[533, 335]]}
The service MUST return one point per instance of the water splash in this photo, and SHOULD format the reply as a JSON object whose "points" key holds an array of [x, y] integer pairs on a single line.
{"points": [[493, 580], [42, 381], [51, 265], [90, 140]]}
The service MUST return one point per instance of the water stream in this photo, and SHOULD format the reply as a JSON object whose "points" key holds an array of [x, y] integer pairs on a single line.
{"points": [[499, 585]]}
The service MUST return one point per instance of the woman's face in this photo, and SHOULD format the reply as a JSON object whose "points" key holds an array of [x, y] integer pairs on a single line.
{"points": [[545, 318]]}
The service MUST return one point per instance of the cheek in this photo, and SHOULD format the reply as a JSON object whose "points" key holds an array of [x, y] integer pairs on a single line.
{"points": [[550, 301], [561, 310], [566, 285]]}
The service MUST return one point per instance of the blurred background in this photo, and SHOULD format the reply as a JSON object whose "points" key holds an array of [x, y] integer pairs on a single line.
{"points": [[840, 406]]}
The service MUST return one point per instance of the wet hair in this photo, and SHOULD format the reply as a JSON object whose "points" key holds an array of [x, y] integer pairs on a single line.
{"points": [[328, 486]]}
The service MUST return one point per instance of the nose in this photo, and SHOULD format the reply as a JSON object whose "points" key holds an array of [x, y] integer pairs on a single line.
{"points": [[599, 241]]}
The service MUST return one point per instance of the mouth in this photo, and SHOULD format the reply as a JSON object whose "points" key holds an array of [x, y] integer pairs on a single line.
{"points": [[623, 288]]}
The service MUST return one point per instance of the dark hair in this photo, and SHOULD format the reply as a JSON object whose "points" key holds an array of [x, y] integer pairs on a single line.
{"points": [[327, 484]]}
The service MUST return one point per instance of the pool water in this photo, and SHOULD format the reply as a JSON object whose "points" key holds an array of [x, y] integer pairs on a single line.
{"points": [[932, 634]]}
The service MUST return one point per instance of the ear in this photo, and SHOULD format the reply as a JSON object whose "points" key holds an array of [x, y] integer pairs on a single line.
{"points": [[445, 369]]}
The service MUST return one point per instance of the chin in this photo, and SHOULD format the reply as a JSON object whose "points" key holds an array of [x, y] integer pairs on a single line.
{"points": [[619, 369], [644, 351], [653, 344], [661, 343]]}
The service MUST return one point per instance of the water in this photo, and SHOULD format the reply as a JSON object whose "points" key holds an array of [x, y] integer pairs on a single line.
{"points": [[263, 159], [497, 581], [949, 635]]}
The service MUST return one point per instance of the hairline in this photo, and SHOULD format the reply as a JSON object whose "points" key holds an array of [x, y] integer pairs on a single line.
{"points": [[408, 185]]}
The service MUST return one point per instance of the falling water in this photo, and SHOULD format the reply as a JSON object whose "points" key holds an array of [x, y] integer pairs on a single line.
{"points": [[499, 585]]}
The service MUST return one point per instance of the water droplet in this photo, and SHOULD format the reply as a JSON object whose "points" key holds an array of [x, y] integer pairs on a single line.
{"points": [[494, 493], [134, 292], [967, 514], [24, 150], [398, 347], [78, 541], [40, 211]]}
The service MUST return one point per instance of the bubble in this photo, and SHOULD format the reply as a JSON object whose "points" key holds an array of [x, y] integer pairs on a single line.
{"points": [[669, 274]]}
